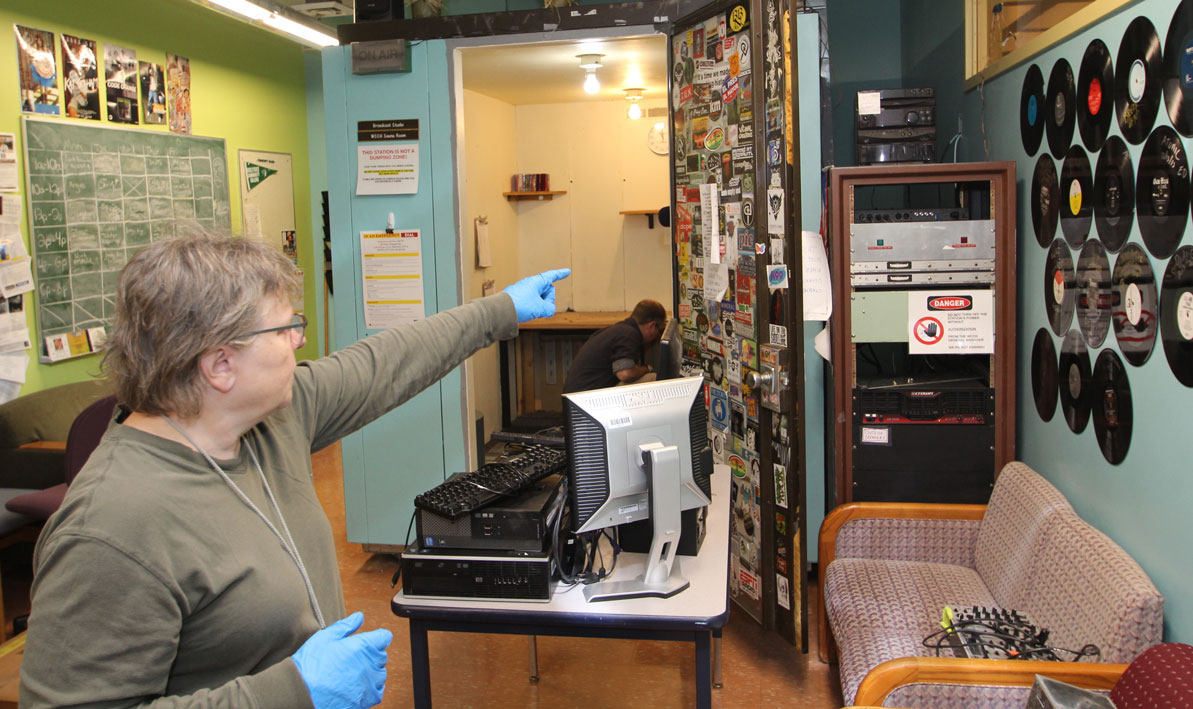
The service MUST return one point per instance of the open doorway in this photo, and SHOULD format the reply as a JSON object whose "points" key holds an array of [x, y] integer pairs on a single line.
{"points": [[522, 108]]}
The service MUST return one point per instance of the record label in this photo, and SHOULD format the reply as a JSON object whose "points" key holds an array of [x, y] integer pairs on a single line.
{"points": [[1043, 374], [1077, 212], [1162, 192], [1059, 286], [1135, 306], [1061, 100], [1137, 80], [1094, 79], [1045, 198], [1111, 407], [1076, 376], [1031, 120], [1178, 68], [1094, 293], [1176, 314], [1114, 194]]}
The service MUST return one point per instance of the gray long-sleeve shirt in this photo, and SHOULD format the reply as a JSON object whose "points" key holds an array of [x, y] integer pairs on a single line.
{"points": [[155, 585]]}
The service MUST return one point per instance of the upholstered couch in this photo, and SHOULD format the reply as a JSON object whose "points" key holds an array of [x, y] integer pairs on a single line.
{"points": [[33, 432], [887, 569]]}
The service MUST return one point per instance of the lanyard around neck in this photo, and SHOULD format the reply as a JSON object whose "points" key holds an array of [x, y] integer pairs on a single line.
{"points": [[287, 540]]}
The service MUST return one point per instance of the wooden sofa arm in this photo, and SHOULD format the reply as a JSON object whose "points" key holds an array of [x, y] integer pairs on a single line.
{"points": [[44, 446], [842, 514], [883, 679]]}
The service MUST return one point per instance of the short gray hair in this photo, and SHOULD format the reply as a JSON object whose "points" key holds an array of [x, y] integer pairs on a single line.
{"points": [[177, 299]]}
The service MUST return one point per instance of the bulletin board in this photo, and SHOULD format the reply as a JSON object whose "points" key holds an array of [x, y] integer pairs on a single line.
{"points": [[96, 195], [267, 199]]}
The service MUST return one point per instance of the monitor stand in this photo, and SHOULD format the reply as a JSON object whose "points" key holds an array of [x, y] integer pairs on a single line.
{"points": [[662, 577]]}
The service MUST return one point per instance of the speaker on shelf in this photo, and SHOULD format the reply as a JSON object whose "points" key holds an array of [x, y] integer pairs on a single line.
{"points": [[371, 10]]}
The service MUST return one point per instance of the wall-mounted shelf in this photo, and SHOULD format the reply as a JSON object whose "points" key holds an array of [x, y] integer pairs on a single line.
{"points": [[533, 195], [650, 214]]}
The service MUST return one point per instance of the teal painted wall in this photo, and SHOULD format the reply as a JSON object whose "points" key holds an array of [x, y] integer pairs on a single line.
{"points": [[863, 57], [1143, 503]]}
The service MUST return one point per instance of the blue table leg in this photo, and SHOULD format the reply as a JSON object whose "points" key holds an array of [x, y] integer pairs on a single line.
{"points": [[703, 670], [420, 665]]}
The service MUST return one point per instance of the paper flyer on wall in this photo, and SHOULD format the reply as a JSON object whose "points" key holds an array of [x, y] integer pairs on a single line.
{"points": [[153, 92], [120, 79], [387, 168], [14, 331], [392, 271], [9, 181], [16, 271], [81, 83], [818, 294], [178, 92], [37, 70]]}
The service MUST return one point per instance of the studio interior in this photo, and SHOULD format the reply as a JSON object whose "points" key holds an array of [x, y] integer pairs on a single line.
{"points": [[694, 352]]}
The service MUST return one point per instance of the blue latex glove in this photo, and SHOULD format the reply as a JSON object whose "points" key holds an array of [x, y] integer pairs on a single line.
{"points": [[534, 297], [342, 670]]}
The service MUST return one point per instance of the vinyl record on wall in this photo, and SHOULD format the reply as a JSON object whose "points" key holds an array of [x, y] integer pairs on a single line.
{"points": [[1176, 314], [1162, 192], [1060, 284], [1060, 108], [1114, 194], [1137, 72], [1043, 374], [1045, 200], [1095, 95], [1136, 307], [1077, 191], [1110, 404], [1178, 68], [1094, 293], [1031, 110], [1075, 380]]}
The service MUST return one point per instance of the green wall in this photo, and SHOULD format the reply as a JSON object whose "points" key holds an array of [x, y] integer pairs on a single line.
{"points": [[247, 86]]}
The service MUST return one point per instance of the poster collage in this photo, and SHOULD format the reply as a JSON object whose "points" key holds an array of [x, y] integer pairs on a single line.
{"points": [[135, 92], [723, 241]]}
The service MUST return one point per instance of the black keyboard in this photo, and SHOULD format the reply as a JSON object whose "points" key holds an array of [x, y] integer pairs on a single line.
{"points": [[465, 492]]}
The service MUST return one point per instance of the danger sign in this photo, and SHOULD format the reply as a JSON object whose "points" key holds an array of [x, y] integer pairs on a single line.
{"points": [[950, 322]]}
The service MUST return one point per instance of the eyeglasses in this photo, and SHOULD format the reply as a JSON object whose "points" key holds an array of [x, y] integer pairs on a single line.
{"points": [[297, 327]]}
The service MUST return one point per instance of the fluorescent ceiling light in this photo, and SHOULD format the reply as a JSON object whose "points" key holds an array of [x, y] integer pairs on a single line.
{"points": [[243, 8], [301, 31]]}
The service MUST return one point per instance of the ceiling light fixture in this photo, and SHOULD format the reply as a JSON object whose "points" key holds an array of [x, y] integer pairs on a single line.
{"points": [[278, 18], [590, 61], [634, 95]]}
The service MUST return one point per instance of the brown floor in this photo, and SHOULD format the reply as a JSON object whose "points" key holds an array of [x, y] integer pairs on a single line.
{"points": [[468, 670]]}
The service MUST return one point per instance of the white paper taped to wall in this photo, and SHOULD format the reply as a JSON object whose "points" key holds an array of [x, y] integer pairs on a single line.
{"points": [[818, 293]]}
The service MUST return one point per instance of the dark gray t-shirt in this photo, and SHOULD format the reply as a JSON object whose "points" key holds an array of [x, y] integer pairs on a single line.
{"points": [[606, 353], [154, 584]]}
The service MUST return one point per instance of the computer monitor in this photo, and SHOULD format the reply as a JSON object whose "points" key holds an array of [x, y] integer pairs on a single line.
{"points": [[670, 354], [639, 451]]}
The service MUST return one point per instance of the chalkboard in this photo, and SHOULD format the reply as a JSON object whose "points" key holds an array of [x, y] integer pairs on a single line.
{"points": [[96, 195]]}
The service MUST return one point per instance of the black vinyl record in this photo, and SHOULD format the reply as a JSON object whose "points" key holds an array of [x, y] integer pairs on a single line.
{"points": [[1111, 406], [1137, 74], [1031, 110], [1043, 374], [1095, 93], [1162, 192], [1075, 381], [1094, 293], [1178, 68], [1114, 194], [1077, 196], [1136, 307], [1060, 108], [1060, 283], [1045, 200], [1176, 314]]}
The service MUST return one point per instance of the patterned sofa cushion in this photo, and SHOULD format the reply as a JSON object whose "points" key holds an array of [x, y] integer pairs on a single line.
{"points": [[1085, 589], [1009, 536], [945, 541], [880, 610], [930, 695]]}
